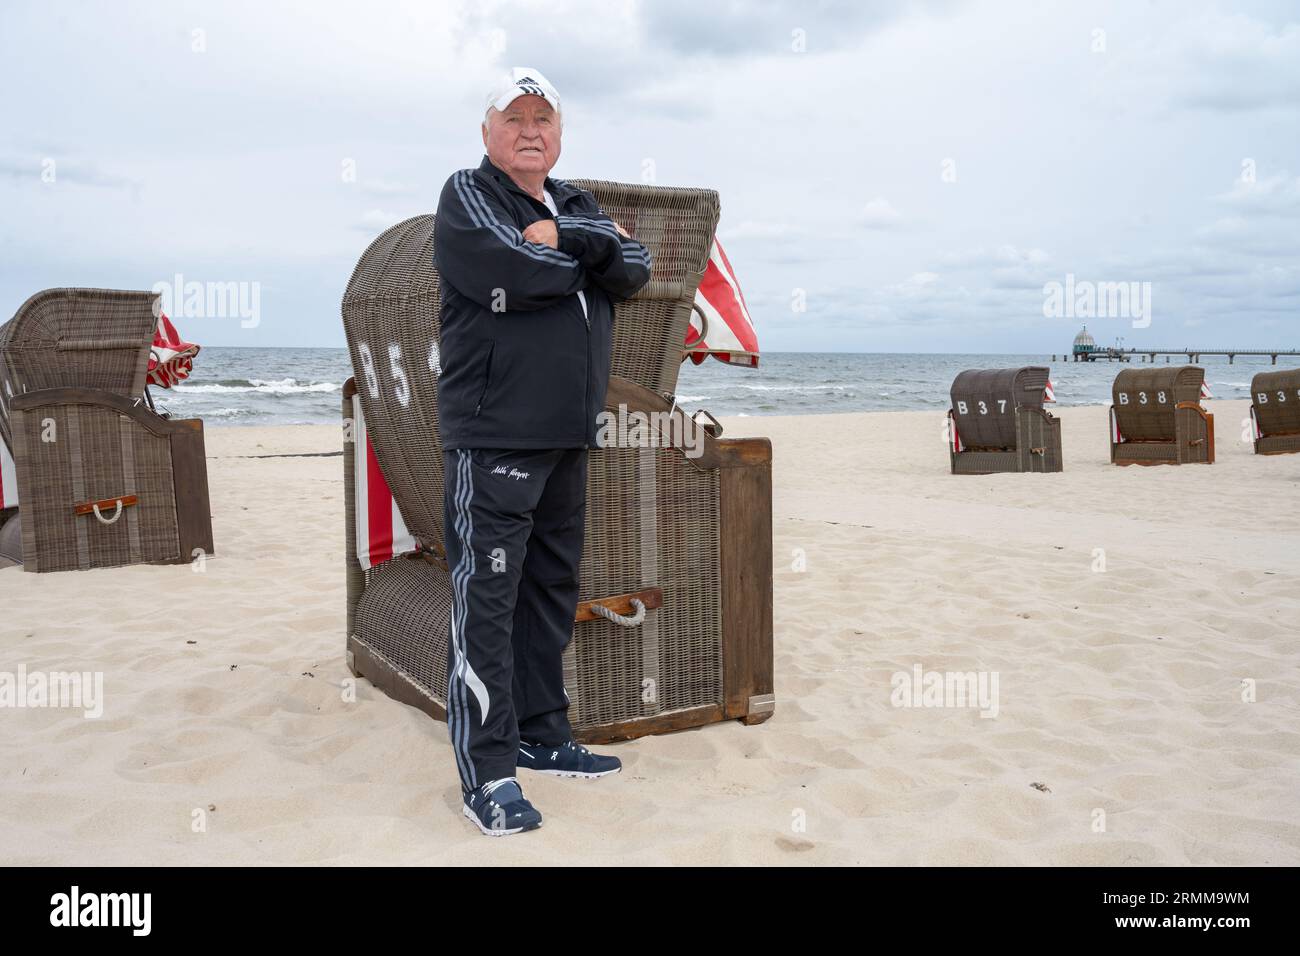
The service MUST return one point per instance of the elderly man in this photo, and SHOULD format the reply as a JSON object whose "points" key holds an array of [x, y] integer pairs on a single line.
{"points": [[530, 269]]}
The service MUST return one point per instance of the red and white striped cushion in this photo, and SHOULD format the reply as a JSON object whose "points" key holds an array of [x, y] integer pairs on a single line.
{"points": [[381, 531]]}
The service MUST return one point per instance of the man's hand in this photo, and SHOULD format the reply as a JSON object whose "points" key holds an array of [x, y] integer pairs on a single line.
{"points": [[544, 233], [621, 231]]}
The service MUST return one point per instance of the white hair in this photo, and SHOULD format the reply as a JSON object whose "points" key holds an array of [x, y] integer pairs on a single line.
{"points": [[492, 109]]}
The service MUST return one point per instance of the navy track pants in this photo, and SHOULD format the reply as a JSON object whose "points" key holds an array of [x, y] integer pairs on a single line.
{"points": [[513, 527]]}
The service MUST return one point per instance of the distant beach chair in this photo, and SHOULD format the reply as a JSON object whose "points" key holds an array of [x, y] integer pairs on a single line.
{"points": [[102, 480], [687, 539], [1275, 411], [1156, 417], [997, 422]]}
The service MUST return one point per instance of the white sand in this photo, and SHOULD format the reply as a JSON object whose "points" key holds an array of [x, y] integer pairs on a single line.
{"points": [[1120, 691]]}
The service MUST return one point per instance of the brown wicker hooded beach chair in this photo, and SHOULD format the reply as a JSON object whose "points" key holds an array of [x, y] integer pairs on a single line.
{"points": [[1157, 418], [691, 537], [997, 422], [1275, 408], [102, 479]]}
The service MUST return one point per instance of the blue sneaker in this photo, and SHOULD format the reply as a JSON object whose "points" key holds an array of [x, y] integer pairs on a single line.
{"points": [[568, 759], [500, 808]]}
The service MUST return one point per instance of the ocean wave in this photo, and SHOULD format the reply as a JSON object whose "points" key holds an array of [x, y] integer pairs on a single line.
{"points": [[794, 388], [230, 412], [282, 386]]}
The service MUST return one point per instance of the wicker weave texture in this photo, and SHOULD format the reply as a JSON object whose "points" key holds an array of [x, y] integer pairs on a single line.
{"points": [[403, 617], [984, 403], [1145, 452], [1276, 399], [1277, 444], [94, 338], [1038, 442], [73, 453], [390, 317], [677, 226], [652, 521], [1145, 400]]}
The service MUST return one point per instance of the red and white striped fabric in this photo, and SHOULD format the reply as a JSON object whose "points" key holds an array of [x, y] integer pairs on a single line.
{"points": [[1115, 435], [1205, 391], [381, 531], [1049, 393], [728, 333], [953, 436], [1254, 425], [8, 478], [170, 360]]}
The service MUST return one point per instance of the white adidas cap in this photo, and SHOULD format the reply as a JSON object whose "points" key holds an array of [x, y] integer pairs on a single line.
{"points": [[522, 81]]}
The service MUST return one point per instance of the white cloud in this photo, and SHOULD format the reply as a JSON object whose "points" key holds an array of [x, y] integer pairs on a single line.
{"points": [[1278, 194], [879, 214], [828, 162]]}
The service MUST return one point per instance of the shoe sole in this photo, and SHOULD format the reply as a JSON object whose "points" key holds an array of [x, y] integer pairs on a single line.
{"points": [[489, 831], [574, 773]]}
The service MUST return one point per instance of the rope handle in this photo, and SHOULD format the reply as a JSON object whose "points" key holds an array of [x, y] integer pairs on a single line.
{"points": [[99, 507], [117, 513], [624, 620]]}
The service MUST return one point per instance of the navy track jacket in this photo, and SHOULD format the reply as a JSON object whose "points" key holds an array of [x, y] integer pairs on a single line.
{"points": [[522, 367]]}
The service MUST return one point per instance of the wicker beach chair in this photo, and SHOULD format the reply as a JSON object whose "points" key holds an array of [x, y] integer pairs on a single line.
{"points": [[102, 479], [997, 422], [690, 537], [1157, 418], [1275, 409]]}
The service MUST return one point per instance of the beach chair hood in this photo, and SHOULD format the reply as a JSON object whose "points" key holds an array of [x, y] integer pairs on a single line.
{"points": [[81, 338]]}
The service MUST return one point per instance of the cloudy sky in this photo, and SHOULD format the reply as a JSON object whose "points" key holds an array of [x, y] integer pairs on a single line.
{"points": [[911, 173]]}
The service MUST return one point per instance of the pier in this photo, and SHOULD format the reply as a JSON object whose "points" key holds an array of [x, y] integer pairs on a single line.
{"points": [[1086, 350]]}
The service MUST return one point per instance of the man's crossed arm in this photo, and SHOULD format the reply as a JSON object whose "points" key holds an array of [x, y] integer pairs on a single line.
{"points": [[485, 257]]}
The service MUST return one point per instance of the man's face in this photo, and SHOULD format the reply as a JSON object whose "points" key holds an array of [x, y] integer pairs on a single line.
{"points": [[524, 137]]}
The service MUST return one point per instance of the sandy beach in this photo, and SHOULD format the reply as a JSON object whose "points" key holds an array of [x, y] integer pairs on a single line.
{"points": [[1125, 730]]}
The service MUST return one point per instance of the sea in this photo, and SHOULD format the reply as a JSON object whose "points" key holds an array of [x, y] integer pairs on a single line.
{"points": [[278, 386]]}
